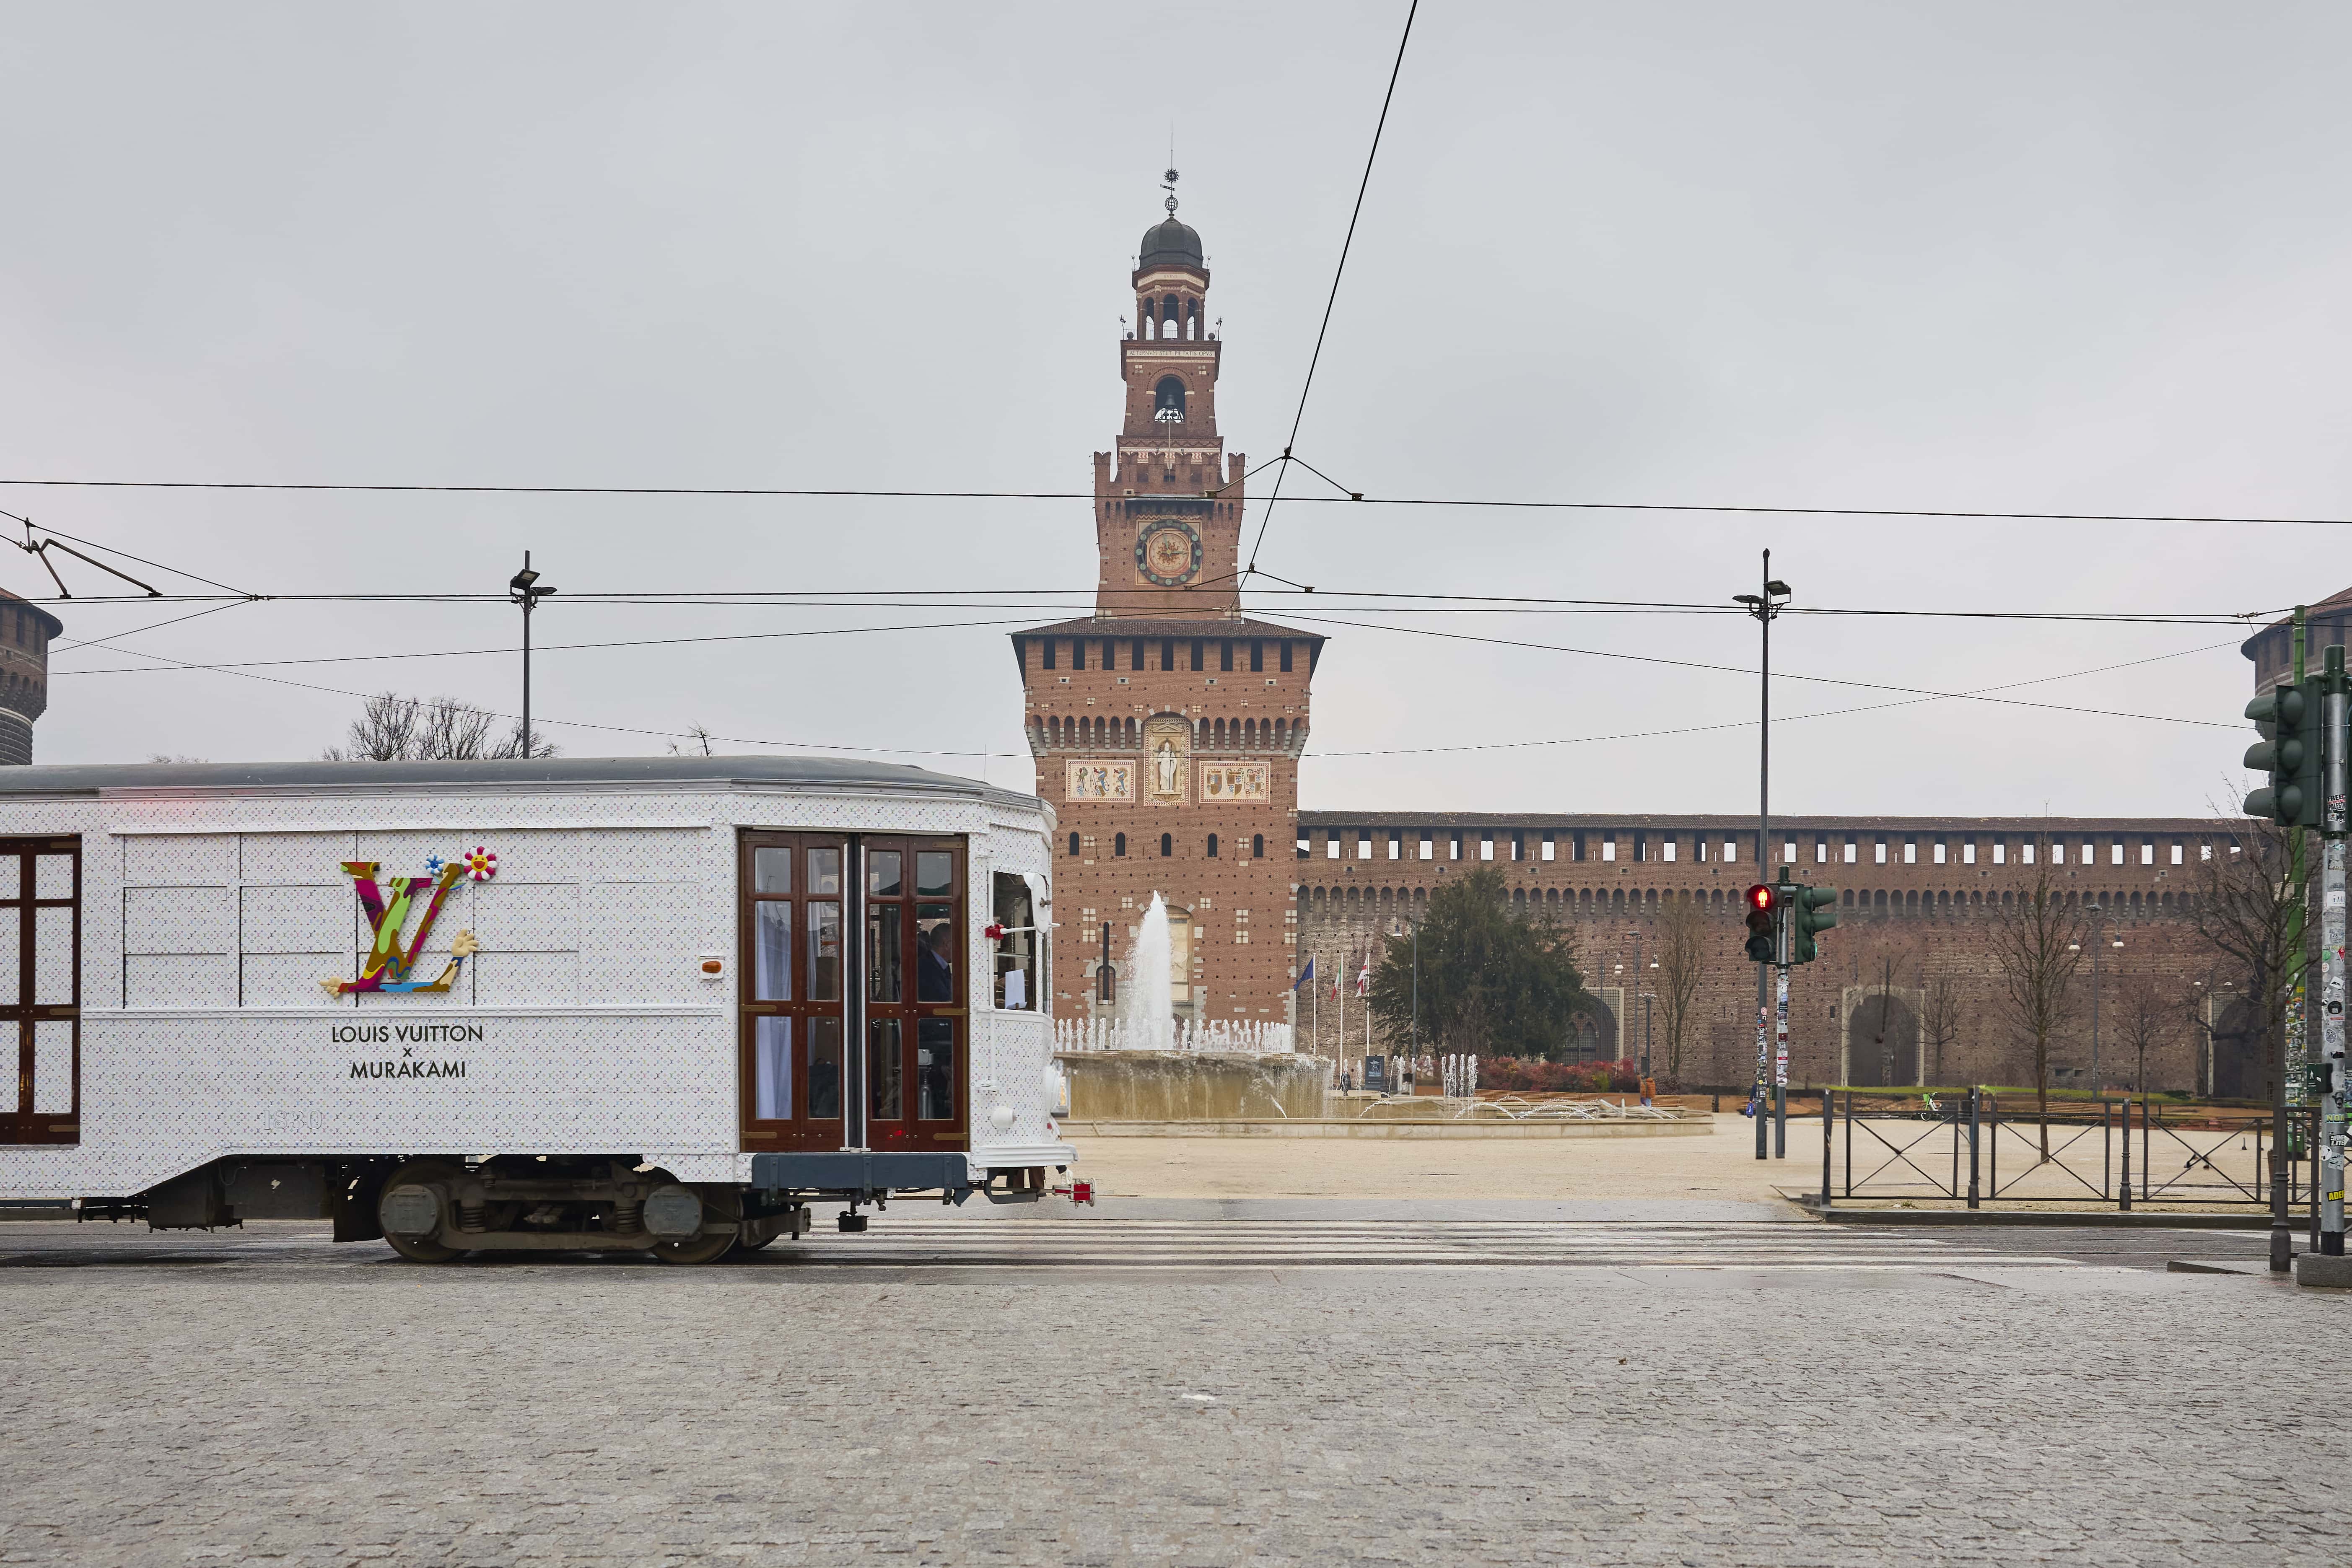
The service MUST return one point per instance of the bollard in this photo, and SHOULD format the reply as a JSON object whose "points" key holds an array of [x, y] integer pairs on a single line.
{"points": [[1972, 1146], [1829, 1104], [2124, 1200]]}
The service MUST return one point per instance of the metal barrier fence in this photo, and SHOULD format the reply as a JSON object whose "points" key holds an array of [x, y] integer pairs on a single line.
{"points": [[1969, 1148]]}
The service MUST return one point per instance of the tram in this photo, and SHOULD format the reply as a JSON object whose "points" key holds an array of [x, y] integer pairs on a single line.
{"points": [[634, 1005]]}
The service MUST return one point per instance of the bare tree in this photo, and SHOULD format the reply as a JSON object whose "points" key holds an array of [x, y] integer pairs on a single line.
{"points": [[2246, 906], [1682, 965], [700, 736], [2147, 1014], [1940, 1015], [2037, 946], [395, 728]]}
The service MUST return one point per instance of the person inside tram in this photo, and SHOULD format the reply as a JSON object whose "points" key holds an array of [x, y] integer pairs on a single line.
{"points": [[935, 964]]}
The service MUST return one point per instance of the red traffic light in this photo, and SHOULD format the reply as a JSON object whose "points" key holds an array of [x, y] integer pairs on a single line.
{"points": [[1759, 897]]}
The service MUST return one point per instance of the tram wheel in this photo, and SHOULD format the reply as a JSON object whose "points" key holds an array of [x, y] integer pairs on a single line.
{"points": [[720, 1206], [426, 1176]]}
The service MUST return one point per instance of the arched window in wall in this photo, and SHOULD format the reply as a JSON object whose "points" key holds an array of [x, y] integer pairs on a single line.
{"points": [[1257, 845], [1118, 843], [1167, 845], [1074, 845], [1212, 845], [1168, 400]]}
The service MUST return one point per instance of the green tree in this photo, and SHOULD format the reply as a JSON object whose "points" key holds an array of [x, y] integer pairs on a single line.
{"points": [[1492, 982]]}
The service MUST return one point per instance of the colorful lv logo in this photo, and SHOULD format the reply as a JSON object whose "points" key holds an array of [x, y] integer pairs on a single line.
{"points": [[388, 905]]}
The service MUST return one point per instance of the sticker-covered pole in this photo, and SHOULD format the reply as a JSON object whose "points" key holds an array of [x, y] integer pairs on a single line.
{"points": [[1780, 1056], [2336, 741]]}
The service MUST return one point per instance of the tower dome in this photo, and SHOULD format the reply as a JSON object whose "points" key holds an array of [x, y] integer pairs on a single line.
{"points": [[1170, 243]]}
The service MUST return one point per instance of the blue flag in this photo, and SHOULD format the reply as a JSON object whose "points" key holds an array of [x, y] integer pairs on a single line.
{"points": [[1305, 975]]}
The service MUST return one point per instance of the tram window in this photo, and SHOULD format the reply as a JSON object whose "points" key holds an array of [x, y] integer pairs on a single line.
{"points": [[885, 961], [772, 1088], [824, 1068], [934, 874], [885, 1072], [772, 871], [771, 950], [935, 957], [825, 953], [1015, 968], [882, 874], [825, 872], [935, 1052]]}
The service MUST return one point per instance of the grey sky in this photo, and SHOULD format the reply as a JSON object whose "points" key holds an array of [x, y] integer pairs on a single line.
{"points": [[2012, 257]]}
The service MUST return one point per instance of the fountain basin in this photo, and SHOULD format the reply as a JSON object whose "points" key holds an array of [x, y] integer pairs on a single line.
{"points": [[1193, 1085]]}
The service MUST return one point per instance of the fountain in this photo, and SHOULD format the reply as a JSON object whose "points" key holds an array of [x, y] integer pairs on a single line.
{"points": [[1146, 1005], [1145, 1065]]}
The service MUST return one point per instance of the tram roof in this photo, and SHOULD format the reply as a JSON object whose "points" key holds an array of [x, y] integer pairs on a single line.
{"points": [[815, 775]]}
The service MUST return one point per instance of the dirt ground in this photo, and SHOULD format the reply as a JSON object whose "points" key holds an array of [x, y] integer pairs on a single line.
{"points": [[1722, 1167]]}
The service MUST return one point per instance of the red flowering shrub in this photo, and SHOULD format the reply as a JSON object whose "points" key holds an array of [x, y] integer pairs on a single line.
{"points": [[1533, 1073]]}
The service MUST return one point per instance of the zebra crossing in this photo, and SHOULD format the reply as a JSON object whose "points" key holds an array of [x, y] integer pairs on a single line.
{"points": [[952, 1240], [927, 1238]]}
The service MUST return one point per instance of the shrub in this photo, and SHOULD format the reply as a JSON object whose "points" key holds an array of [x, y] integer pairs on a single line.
{"points": [[1535, 1074]]}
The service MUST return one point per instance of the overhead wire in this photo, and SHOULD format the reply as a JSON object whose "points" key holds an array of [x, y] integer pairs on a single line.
{"points": [[843, 492], [1752, 723], [1266, 514], [1738, 670]]}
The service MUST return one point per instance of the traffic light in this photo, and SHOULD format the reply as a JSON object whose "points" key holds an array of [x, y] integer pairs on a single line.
{"points": [[1762, 918], [2290, 720], [1812, 911]]}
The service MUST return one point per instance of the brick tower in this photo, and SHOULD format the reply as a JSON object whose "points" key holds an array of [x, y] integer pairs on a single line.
{"points": [[1166, 726], [24, 632]]}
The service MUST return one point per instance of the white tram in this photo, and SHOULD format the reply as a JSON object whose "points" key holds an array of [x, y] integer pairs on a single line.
{"points": [[653, 1004]]}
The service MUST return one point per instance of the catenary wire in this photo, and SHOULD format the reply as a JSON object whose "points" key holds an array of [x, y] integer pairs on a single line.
{"points": [[1955, 514], [166, 665], [1331, 300], [1736, 669], [959, 598], [1751, 723]]}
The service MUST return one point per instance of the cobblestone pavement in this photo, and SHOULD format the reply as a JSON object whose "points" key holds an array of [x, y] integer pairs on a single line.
{"points": [[1245, 1390]]}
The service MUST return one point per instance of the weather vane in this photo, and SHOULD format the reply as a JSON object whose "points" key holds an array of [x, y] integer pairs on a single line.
{"points": [[1168, 181]]}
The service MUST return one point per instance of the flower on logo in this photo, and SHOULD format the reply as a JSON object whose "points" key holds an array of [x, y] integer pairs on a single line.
{"points": [[480, 864], [433, 864]]}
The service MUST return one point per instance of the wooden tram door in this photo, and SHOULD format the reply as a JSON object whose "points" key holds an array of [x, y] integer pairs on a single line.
{"points": [[40, 988], [828, 1062]]}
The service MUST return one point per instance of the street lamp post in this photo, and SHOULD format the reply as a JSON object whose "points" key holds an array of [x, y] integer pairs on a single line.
{"points": [[1636, 935], [1647, 998], [524, 589], [1764, 606]]}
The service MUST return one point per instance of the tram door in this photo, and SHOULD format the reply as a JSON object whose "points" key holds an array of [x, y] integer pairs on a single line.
{"points": [[915, 990], [853, 998]]}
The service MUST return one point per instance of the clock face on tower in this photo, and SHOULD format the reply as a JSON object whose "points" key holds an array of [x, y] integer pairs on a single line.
{"points": [[1168, 552]]}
